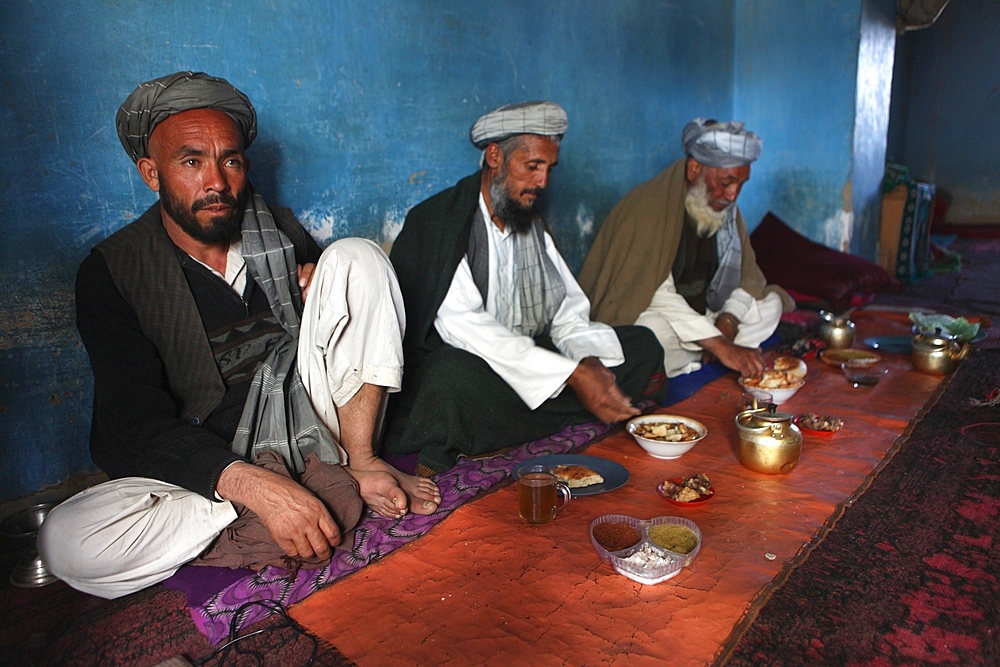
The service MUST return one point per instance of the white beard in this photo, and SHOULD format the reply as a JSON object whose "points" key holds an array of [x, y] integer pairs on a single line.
{"points": [[708, 220]]}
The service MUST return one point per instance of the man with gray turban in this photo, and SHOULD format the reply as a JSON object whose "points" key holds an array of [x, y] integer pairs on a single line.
{"points": [[236, 418], [500, 349], [674, 255]]}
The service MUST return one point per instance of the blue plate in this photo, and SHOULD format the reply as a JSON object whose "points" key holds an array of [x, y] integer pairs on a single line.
{"points": [[891, 344], [615, 475]]}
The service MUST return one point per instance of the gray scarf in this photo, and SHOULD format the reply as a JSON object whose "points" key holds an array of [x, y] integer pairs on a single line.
{"points": [[730, 254], [539, 287], [278, 414]]}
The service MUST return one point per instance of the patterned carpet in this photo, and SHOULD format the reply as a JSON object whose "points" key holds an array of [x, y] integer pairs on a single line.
{"points": [[907, 572]]}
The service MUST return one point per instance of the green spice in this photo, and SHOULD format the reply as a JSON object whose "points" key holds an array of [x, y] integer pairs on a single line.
{"points": [[674, 537]]}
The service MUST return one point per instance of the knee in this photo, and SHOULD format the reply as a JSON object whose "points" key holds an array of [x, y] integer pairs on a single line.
{"points": [[355, 252], [59, 534]]}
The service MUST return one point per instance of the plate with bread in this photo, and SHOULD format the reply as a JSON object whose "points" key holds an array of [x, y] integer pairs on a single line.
{"points": [[585, 475]]}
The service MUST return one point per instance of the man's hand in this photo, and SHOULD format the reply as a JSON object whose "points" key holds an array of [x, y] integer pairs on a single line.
{"points": [[749, 362], [305, 272], [597, 390], [297, 520]]}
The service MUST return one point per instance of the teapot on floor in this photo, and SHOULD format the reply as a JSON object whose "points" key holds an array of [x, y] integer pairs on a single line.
{"points": [[937, 353]]}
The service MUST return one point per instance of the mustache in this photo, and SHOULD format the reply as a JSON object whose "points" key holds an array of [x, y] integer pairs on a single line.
{"points": [[532, 191], [212, 200]]}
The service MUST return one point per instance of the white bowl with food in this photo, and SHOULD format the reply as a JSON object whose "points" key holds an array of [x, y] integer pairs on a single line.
{"points": [[785, 377], [666, 436]]}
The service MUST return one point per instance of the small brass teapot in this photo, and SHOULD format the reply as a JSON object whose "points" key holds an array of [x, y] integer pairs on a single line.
{"points": [[836, 331], [937, 353], [769, 441]]}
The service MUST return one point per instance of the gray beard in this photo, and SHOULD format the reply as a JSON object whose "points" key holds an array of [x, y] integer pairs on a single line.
{"points": [[708, 221]]}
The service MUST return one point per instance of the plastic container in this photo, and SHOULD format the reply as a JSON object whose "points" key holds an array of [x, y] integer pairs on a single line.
{"points": [[671, 562]]}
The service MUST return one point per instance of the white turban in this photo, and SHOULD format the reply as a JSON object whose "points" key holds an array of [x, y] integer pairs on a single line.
{"points": [[544, 118], [722, 145]]}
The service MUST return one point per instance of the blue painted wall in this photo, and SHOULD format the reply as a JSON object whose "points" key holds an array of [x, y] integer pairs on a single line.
{"points": [[364, 109], [948, 128]]}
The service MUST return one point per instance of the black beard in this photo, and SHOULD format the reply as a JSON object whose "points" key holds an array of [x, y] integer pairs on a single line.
{"points": [[519, 218], [220, 229]]}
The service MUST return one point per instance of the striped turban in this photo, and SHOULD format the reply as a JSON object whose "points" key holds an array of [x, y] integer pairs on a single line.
{"points": [[544, 118], [155, 101], [718, 144]]}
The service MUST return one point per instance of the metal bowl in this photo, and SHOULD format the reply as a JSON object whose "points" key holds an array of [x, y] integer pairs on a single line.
{"points": [[23, 525]]}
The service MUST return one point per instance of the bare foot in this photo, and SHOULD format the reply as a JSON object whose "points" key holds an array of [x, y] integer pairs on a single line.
{"points": [[381, 492], [423, 494]]}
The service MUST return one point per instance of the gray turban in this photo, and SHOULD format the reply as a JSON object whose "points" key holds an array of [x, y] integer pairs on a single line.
{"points": [[155, 101], [722, 145], [544, 118]]}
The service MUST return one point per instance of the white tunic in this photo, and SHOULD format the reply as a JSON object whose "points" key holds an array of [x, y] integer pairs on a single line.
{"points": [[535, 373]]}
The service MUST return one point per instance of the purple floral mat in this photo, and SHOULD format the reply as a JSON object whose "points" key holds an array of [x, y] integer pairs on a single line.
{"points": [[218, 597]]}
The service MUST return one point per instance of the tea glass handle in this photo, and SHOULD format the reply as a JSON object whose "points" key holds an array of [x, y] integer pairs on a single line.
{"points": [[562, 490]]}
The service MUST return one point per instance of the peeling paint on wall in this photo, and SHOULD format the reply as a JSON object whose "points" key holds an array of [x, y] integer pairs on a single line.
{"points": [[356, 126]]}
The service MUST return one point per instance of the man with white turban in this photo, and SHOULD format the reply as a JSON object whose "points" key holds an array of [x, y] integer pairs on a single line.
{"points": [[500, 349], [237, 420], [674, 255]]}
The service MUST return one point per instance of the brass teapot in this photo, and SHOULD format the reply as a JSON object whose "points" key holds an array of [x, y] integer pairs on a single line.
{"points": [[836, 331], [769, 441], [937, 353]]}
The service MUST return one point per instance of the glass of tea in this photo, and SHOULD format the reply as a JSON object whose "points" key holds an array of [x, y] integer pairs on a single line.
{"points": [[540, 494]]}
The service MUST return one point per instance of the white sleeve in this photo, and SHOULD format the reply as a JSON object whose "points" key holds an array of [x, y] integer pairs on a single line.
{"points": [[536, 374], [741, 305], [687, 323]]}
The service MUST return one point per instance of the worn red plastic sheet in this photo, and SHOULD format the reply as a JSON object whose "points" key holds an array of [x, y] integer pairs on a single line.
{"points": [[484, 587]]}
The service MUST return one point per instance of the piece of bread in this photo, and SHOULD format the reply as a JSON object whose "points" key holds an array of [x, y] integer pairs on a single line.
{"points": [[795, 368], [577, 476]]}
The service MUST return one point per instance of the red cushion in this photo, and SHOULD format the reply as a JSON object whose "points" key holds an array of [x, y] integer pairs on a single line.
{"points": [[791, 260]]}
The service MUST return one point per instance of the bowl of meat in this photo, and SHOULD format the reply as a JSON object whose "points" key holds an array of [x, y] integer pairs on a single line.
{"points": [[666, 436]]}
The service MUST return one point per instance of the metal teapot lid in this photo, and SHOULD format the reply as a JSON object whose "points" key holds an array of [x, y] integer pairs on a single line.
{"points": [[933, 340], [770, 413], [765, 416], [837, 321]]}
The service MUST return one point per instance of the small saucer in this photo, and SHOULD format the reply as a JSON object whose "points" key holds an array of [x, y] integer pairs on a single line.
{"points": [[813, 431], [701, 500]]}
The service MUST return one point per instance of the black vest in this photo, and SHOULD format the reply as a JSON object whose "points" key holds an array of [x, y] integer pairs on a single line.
{"points": [[143, 263]]}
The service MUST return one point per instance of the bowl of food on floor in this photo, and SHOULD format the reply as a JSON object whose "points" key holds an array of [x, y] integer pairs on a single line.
{"points": [[666, 436], [782, 380]]}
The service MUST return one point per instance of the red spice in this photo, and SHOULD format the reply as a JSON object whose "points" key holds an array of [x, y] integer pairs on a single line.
{"points": [[616, 536]]}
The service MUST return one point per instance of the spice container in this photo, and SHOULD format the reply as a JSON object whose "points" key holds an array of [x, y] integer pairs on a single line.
{"points": [[645, 561]]}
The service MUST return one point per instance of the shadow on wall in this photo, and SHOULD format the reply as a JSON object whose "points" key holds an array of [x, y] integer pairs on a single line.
{"points": [[808, 195]]}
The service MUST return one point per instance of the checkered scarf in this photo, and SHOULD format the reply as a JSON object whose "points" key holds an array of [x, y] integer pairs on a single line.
{"points": [[278, 414], [730, 253]]}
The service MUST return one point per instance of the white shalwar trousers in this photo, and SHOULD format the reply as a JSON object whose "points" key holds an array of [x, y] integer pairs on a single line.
{"points": [[126, 534], [681, 357]]}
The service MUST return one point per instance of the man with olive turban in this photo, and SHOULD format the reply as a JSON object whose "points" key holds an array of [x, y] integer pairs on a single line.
{"points": [[236, 418], [674, 255]]}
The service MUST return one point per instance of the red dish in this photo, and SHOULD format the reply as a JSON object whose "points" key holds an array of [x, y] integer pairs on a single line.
{"points": [[701, 500], [812, 431]]}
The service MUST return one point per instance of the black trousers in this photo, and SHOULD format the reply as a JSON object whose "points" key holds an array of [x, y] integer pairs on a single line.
{"points": [[453, 403]]}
